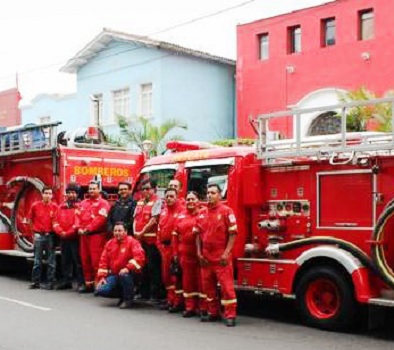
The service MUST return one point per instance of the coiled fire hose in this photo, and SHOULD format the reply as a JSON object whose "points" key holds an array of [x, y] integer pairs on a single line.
{"points": [[22, 242], [378, 238]]}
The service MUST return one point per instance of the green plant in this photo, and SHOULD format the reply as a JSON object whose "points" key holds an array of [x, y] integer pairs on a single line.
{"points": [[137, 130]]}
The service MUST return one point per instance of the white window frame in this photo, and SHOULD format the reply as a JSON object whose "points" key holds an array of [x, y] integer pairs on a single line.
{"points": [[264, 46], [96, 101], [120, 104], [146, 101]]}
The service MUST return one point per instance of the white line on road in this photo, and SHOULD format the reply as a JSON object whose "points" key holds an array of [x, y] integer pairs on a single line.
{"points": [[23, 303]]}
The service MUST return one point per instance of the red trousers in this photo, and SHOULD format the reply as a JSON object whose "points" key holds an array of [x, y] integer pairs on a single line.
{"points": [[213, 274], [90, 249], [195, 300], [173, 290]]}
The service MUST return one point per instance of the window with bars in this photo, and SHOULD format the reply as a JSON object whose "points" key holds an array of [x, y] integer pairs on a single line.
{"points": [[328, 32], [366, 24], [146, 100], [264, 46], [96, 102], [120, 103], [294, 39]]}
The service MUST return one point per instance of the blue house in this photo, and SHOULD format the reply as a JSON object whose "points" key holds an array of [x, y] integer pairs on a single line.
{"points": [[132, 76]]}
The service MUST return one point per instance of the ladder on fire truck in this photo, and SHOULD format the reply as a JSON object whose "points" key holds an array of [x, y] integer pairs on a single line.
{"points": [[29, 139], [340, 148]]}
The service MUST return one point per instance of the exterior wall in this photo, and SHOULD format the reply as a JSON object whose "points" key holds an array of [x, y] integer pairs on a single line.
{"points": [[59, 108], [10, 114], [267, 86], [195, 91]]}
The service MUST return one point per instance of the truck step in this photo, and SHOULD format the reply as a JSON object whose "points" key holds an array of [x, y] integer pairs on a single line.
{"points": [[381, 302], [17, 253]]}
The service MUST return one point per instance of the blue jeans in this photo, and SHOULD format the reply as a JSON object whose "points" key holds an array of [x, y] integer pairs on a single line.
{"points": [[44, 243], [117, 286]]}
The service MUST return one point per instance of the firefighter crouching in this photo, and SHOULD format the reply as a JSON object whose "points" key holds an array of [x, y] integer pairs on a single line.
{"points": [[216, 231], [185, 251], [65, 227], [122, 258], [91, 222], [146, 216], [167, 219]]}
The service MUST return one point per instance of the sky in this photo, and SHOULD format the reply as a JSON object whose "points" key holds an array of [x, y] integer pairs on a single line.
{"points": [[38, 37]]}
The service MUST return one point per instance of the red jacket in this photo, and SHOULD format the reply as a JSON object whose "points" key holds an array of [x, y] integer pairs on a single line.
{"points": [[184, 239], [167, 221], [92, 215], [142, 215], [65, 220], [41, 216], [117, 255], [214, 227]]}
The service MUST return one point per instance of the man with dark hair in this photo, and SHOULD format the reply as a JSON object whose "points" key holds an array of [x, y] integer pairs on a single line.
{"points": [[91, 223], [168, 215], [146, 216], [122, 258], [41, 218], [65, 227], [177, 186], [216, 230], [123, 209]]}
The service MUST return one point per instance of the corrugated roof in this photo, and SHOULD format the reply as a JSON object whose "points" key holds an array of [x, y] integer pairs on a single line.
{"points": [[101, 41]]}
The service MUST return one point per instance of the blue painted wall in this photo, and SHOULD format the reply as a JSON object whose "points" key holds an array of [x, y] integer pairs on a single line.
{"points": [[196, 91], [58, 107]]}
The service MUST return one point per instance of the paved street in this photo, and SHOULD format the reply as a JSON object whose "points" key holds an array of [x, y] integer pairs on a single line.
{"points": [[57, 320]]}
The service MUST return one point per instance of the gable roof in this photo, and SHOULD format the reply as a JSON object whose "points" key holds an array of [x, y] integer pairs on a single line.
{"points": [[101, 41]]}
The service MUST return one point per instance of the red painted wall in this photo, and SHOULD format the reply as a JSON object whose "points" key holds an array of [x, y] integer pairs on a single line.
{"points": [[10, 114], [265, 86]]}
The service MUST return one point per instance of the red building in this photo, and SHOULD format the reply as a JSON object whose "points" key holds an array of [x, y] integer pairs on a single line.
{"points": [[305, 58], [10, 114]]}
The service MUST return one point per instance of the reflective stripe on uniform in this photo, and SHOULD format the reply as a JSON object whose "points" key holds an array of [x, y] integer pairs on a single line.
{"points": [[227, 302], [191, 295], [203, 296], [232, 228], [179, 291], [149, 235], [171, 287], [136, 265]]}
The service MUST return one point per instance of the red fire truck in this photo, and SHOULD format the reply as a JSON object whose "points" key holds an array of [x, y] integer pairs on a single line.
{"points": [[35, 156], [314, 214]]}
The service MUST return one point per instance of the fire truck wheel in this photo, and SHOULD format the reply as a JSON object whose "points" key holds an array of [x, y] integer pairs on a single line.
{"points": [[325, 299]]}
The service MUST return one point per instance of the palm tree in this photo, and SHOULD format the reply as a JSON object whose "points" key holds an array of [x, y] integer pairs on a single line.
{"points": [[138, 130], [358, 118]]}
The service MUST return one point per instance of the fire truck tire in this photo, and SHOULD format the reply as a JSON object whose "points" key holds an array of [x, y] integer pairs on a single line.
{"points": [[325, 299]]}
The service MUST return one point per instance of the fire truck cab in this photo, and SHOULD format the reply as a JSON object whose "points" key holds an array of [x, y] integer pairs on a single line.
{"points": [[36, 156], [314, 216]]}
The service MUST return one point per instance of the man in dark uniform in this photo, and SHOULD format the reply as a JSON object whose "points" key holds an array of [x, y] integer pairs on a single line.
{"points": [[123, 209]]}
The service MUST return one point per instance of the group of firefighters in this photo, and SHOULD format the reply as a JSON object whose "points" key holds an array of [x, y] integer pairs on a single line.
{"points": [[173, 252]]}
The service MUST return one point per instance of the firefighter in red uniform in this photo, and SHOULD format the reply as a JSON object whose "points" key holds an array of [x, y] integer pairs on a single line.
{"points": [[41, 218], [177, 185], [166, 227], [122, 258], [91, 222], [185, 250], [216, 232], [65, 227], [146, 216]]}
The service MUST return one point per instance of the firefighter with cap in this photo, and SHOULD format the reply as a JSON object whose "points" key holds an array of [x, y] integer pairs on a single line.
{"points": [[216, 231], [92, 229], [146, 216], [123, 209], [122, 258], [66, 229], [168, 216]]}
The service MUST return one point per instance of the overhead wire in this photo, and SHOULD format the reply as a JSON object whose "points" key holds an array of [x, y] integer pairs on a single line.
{"points": [[216, 13]]}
